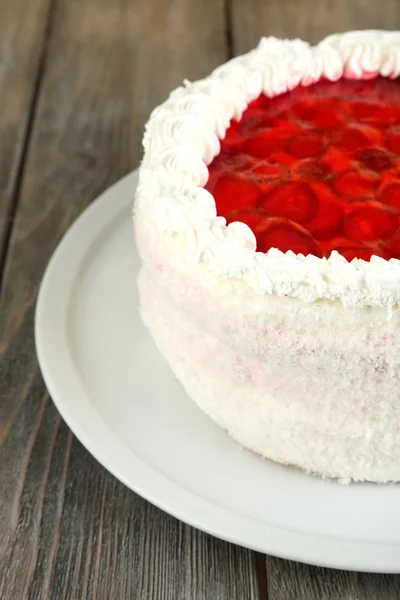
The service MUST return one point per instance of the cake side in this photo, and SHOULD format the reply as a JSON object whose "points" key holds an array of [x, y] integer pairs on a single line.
{"points": [[282, 408]]}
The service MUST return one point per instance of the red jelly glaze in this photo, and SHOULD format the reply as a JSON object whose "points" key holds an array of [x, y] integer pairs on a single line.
{"points": [[316, 170]]}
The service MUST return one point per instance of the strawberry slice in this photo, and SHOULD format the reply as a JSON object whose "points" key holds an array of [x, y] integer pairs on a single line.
{"points": [[377, 115], [307, 144], [339, 160], [261, 103], [376, 159], [233, 135], [393, 140], [313, 170], [286, 235], [292, 200], [369, 221], [370, 89], [355, 185], [363, 252], [230, 160], [265, 142], [254, 121], [392, 245], [282, 158], [234, 191], [268, 171], [328, 220], [350, 249], [350, 138], [329, 113], [390, 195], [251, 217]]}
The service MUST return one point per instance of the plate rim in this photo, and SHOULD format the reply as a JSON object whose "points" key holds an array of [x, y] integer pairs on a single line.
{"points": [[65, 387]]}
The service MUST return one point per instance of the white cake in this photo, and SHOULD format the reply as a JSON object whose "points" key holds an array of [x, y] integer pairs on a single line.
{"points": [[297, 357]]}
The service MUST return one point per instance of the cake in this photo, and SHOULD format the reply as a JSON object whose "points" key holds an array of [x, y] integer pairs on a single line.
{"points": [[267, 220]]}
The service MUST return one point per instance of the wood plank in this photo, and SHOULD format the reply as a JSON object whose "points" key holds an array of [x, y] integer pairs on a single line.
{"points": [[288, 580], [68, 529], [22, 51], [308, 19], [93, 538], [312, 20]]}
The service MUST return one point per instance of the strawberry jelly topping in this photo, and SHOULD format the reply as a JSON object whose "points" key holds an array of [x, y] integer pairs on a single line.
{"points": [[316, 170]]}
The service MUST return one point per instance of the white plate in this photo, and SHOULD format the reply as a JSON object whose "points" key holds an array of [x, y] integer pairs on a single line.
{"points": [[121, 400]]}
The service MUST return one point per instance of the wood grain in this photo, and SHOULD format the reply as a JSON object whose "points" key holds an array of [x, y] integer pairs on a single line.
{"points": [[68, 529], [22, 51], [294, 581], [307, 19]]}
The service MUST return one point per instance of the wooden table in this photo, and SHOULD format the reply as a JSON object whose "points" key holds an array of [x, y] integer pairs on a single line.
{"points": [[78, 79]]}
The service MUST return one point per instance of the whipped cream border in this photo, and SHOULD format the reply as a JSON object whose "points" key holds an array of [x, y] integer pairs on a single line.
{"points": [[182, 137]]}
